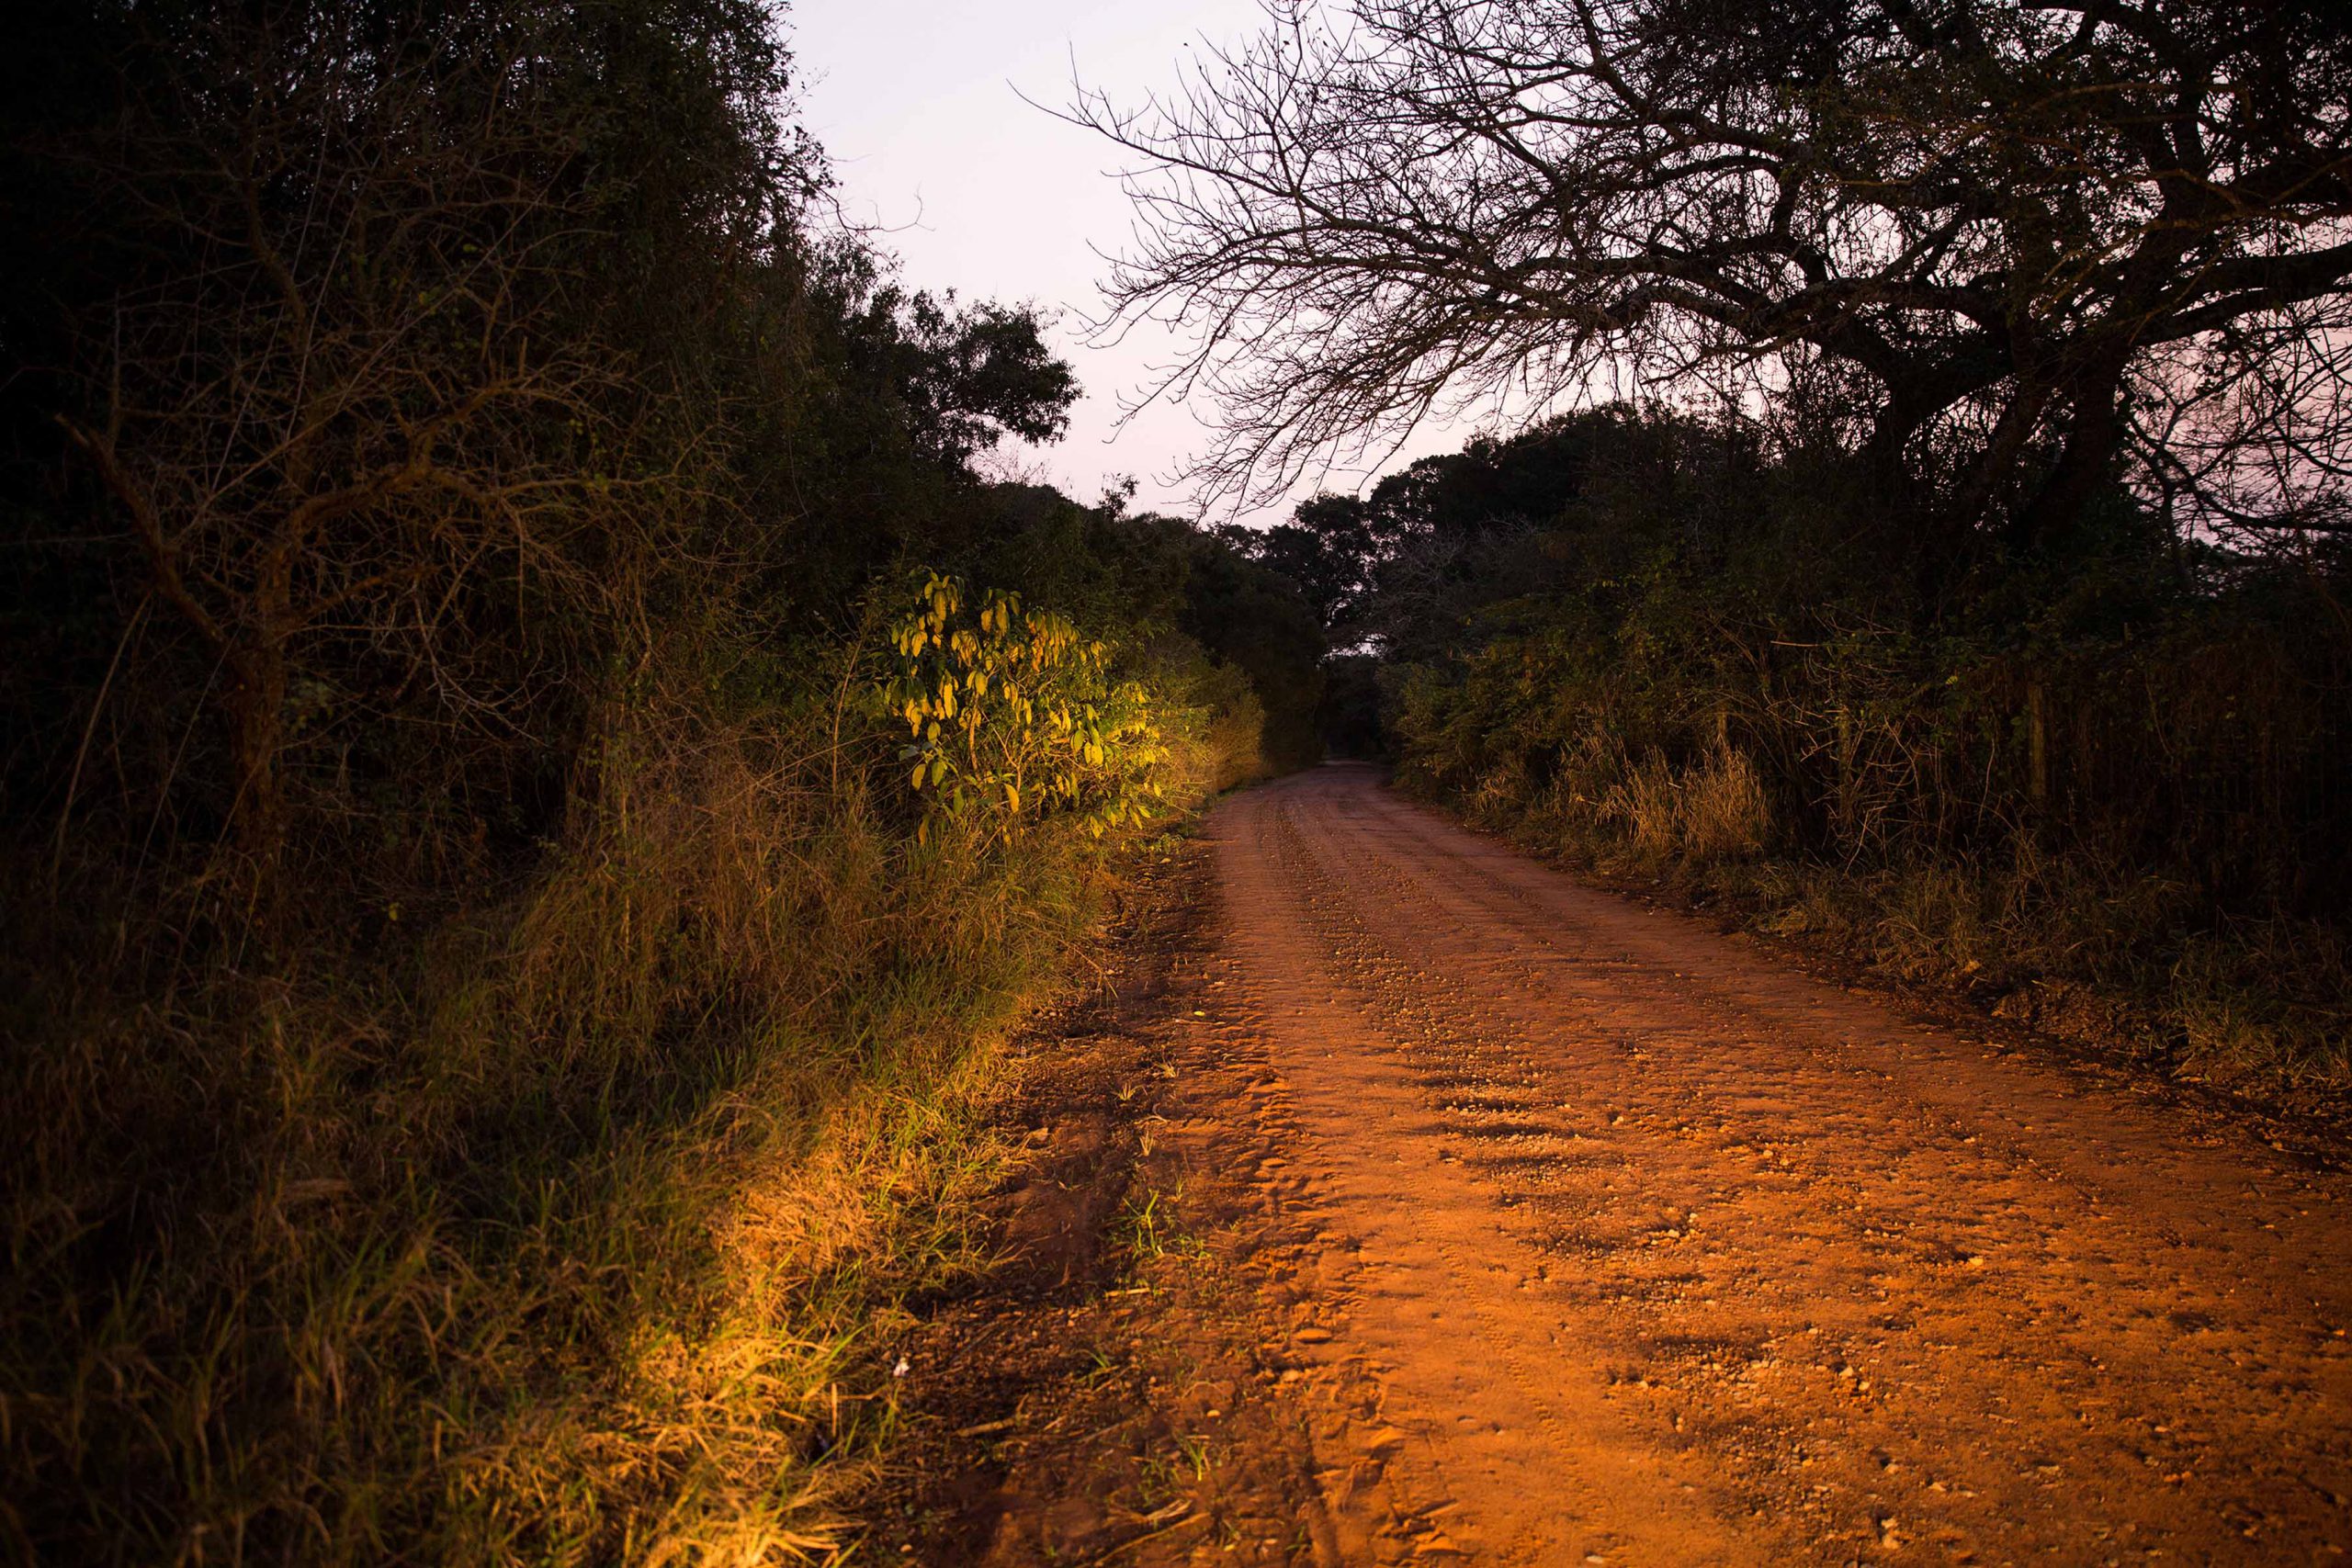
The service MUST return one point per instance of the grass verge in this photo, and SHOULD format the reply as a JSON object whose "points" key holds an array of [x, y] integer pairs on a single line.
{"points": [[2109, 957], [572, 1228]]}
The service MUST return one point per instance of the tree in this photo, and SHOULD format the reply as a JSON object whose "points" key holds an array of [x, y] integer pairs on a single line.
{"points": [[363, 364], [1258, 621], [1328, 548], [973, 375], [2010, 243]]}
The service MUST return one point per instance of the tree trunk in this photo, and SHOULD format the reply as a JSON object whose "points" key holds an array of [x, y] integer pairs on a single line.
{"points": [[1999, 461], [2087, 461]]}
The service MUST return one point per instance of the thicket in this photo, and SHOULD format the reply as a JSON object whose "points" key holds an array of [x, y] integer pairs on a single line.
{"points": [[490, 1023]]}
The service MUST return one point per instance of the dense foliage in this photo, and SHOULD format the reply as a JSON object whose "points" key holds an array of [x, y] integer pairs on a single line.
{"points": [[484, 994]]}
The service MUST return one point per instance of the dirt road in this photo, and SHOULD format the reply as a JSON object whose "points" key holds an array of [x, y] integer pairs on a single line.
{"points": [[1663, 1252], [1589, 1234]]}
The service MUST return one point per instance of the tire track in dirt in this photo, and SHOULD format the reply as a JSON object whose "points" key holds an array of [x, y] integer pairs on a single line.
{"points": [[1654, 1250]]}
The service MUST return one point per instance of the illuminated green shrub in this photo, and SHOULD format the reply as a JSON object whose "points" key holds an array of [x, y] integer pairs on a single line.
{"points": [[1014, 718]]}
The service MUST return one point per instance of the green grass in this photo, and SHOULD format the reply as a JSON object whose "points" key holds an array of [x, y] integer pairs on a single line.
{"points": [[1147, 1227]]}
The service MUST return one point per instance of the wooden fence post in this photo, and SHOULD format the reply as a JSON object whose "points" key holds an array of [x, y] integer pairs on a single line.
{"points": [[1846, 782]]}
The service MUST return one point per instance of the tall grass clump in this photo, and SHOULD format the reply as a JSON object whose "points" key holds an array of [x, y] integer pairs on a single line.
{"points": [[1711, 810]]}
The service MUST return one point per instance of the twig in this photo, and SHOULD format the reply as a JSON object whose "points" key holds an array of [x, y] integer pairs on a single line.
{"points": [[82, 752]]}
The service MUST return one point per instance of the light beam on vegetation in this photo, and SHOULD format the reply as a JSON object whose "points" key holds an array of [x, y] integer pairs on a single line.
{"points": [[1013, 716]]}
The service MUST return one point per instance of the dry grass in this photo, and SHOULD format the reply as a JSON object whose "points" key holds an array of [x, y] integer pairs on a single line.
{"points": [[2097, 952], [1714, 810], [2095, 957], [1598, 799], [563, 1231]]}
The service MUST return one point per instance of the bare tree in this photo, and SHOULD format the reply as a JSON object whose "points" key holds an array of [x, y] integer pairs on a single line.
{"points": [[2027, 235]]}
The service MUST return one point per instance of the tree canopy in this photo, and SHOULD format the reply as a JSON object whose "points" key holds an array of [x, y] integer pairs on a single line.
{"points": [[2006, 244]]}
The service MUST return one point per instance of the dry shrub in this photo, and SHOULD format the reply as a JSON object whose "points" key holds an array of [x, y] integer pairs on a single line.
{"points": [[1499, 792], [1723, 813], [1644, 811], [1228, 747]]}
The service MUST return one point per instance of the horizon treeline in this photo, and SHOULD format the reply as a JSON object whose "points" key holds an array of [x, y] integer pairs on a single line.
{"points": [[486, 1000]]}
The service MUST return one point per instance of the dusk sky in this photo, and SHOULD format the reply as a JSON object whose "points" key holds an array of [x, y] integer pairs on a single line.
{"points": [[918, 102]]}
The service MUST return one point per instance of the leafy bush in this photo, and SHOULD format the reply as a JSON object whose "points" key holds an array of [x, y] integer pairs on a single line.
{"points": [[1013, 716]]}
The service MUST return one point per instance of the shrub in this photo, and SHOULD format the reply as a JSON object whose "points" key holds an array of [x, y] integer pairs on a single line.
{"points": [[1014, 716]]}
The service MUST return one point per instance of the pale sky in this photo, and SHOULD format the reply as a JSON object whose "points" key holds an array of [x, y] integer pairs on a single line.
{"points": [[919, 103]]}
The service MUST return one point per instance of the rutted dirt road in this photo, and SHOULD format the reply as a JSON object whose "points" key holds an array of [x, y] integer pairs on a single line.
{"points": [[1588, 1233]]}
